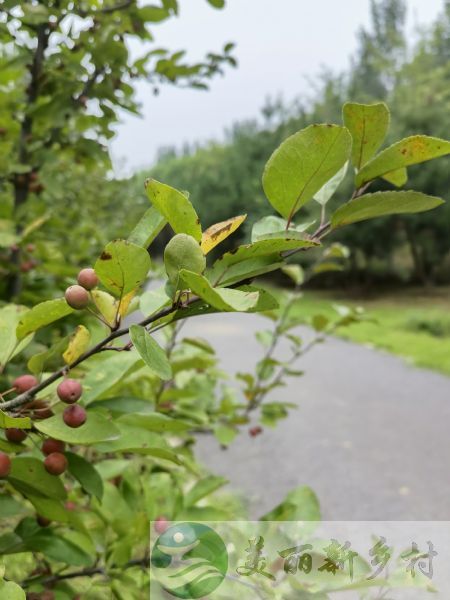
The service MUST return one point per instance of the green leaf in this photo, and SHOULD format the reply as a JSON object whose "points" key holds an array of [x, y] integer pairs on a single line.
{"points": [[303, 164], [86, 474], [124, 405], [29, 476], [153, 14], [41, 315], [301, 504], [294, 272], [10, 316], [151, 352], [57, 548], [326, 192], [9, 507], [52, 356], [368, 125], [11, 591], [246, 269], [265, 300], [139, 440], [96, 429], [409, 151], [148, 228], [273, 224], [152, 301], [398, 177], [175, 207], [225, 434], [381, 204], [217, 3], [203, 488], [106, 371], [156, 422], [17, 422], [49, 508], [220, 298], [271, 248], [122, 267]]}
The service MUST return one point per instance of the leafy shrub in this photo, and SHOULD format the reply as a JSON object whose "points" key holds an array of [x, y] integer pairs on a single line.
{"points": [[118, 434]]}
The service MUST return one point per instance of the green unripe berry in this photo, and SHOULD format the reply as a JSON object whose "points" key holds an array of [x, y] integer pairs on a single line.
{"points": [[183, 252]]}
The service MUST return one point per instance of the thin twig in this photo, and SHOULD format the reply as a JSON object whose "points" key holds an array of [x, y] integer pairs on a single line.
{"points": [[26, 396]]}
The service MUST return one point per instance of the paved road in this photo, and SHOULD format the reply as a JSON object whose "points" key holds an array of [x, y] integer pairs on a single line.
{"points": [[371, 435]]}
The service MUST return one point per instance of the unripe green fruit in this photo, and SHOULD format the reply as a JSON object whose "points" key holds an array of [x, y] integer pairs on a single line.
{"points": [[50, 446], [69, 390], [183, 252], [87, 278], [55, 463], [5, 465], [76, 297], [74, 416], [24, 383], [15, 435]]}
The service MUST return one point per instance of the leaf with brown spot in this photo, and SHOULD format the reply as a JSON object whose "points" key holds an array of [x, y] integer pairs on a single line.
{"points": [[409, 151], [218, 232], [125, 269], [368, 125]]}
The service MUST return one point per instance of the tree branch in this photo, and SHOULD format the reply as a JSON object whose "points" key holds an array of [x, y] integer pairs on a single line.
{"points": [[89, 572], [100, 347]]}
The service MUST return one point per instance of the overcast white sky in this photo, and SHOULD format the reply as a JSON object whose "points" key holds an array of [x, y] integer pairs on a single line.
{"points": [[279, 44]]}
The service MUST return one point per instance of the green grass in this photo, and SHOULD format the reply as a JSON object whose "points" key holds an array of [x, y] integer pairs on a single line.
{"points": [[414, 324]]}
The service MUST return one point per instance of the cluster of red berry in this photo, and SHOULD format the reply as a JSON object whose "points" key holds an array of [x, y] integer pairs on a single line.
{"points": [[69, 391]]}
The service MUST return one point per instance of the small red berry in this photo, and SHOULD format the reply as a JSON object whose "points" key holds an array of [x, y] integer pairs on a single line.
{"points": [[55, 463], [254, 431], [76, 297], [50, 446], [161, 525], [74, 416], [42, 521], [69, 391], [87, 278], [15, 435], [24, 383], [5, 465]]}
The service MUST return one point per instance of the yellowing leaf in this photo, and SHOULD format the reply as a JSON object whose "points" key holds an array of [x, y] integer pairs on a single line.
{"points": [[78, 344], [105, 304], [215, 234], [125, 302]]}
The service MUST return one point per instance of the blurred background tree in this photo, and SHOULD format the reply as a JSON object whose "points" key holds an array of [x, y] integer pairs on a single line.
{"points": [[66, 72]]}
